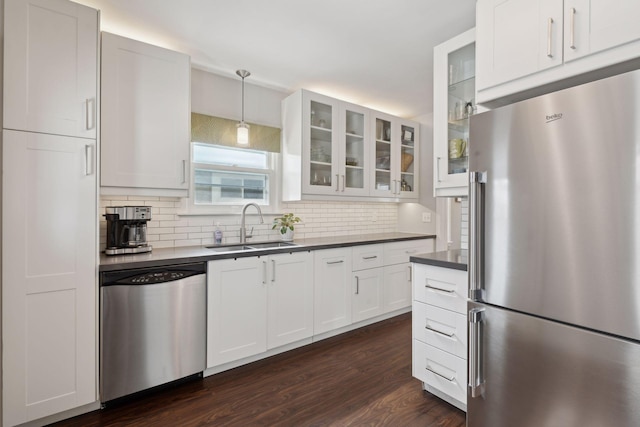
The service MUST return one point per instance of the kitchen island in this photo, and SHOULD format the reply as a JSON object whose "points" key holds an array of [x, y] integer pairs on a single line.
{"points": [[440, 324], [453, 258]]}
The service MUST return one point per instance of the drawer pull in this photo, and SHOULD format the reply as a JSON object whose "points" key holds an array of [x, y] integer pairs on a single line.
{"points": [[335, 262], [370, 257], [450, 379], [440, 332], [435, 288], [412, 251]]}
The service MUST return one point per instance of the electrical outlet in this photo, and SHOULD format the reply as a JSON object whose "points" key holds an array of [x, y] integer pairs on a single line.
{"points": [[426, 216]]}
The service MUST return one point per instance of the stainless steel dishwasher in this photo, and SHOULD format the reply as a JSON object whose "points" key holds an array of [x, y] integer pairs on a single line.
{"points": [[152, 327]]}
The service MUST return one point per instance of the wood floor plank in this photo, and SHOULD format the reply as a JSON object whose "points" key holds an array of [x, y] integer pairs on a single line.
{"points": [[361, 378]]}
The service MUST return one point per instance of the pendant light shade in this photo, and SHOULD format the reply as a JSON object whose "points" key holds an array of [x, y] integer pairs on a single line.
{"points": [[243, 128]]}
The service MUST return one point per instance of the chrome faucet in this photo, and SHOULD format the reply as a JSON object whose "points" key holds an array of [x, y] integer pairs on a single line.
{"points": [[243, 228]]}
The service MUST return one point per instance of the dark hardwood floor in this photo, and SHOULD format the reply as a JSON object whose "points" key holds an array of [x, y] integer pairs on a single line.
{"points": [[362, 378]]}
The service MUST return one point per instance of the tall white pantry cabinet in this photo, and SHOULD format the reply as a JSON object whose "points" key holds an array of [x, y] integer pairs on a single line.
{"points": [[49, 208]]}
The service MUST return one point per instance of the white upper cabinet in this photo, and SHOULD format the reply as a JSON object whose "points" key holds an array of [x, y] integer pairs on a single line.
{"points": [[454, 95], [520, 37], [530, 47], [333, 149], [595, 25], [394, 156], [145, 118], [50, 63]]}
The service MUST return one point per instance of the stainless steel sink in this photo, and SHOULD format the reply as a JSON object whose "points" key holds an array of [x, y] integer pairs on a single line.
{"points": [[253, 246], [267, 245], [233, 248]]}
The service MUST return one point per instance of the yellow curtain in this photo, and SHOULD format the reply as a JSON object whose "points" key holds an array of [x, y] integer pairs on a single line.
{"points": [[219, 131]]}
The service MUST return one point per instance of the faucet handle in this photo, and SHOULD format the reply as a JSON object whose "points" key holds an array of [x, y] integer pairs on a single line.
{"points": [[250, 234]]}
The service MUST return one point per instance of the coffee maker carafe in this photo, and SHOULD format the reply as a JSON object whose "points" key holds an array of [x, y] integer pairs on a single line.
{"points": [[127, 229]]}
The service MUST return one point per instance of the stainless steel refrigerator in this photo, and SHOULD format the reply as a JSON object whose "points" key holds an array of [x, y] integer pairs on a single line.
{"points": [[554, 262]]}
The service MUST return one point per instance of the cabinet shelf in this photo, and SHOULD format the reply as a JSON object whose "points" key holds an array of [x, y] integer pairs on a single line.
{"points": [[315, 162], [463, 90], [354, 167]]}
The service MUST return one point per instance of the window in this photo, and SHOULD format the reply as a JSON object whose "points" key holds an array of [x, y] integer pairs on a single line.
{"points": [[231, 176]]}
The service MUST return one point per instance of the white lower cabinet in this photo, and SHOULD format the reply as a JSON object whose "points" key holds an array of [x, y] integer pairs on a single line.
{"points": [[366, 296], [48, 275], [332, 289], [397, 287], [440, 331], [290, 298], [441, 372], [236, 310], [257, 303], [258, 306]]}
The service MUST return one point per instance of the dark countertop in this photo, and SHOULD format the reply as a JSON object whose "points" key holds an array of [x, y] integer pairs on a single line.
{"points": [[454, 258], [191, 254]]}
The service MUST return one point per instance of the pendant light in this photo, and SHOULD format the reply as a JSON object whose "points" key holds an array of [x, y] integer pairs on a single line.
{"points": [[243, 128]]}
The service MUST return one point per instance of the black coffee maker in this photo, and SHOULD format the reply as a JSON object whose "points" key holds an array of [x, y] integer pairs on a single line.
{"points": [[127, 229]]}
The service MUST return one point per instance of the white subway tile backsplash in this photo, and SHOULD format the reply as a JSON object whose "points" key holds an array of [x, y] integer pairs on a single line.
{"points": [[319, 219]]}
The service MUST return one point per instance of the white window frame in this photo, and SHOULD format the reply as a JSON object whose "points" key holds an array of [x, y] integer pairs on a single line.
{"points": [[274, 183]]}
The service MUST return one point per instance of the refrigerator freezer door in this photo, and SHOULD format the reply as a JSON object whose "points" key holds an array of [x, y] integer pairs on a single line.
{"points": [[562, 205], [570, 376]]}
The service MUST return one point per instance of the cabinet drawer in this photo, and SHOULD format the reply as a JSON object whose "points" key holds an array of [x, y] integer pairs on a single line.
{"points": [[442, 287], [444, 329], [368, 256], [441, 370], [399, 252]]}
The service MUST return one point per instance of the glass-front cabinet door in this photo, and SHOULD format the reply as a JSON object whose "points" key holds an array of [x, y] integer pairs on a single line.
{"points": [[408, 153], [454, 104], [320, 119], [383, 180], [395, 149], [354, 176]]}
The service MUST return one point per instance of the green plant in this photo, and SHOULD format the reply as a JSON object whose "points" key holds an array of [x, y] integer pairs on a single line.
{"points": [[285, 221]]}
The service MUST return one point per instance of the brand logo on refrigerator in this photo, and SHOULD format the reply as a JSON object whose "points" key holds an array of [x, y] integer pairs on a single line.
{"points": [[554, 117]]}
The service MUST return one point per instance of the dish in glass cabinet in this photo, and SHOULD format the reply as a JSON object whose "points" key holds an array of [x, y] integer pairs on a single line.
{"points": [[383, 162]]}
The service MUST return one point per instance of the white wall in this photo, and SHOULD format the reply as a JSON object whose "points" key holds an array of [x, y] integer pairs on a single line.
{"points": [[220, 96]]}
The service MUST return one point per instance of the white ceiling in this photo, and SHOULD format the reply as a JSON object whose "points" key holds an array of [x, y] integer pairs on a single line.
{"points": [[376, 53]]}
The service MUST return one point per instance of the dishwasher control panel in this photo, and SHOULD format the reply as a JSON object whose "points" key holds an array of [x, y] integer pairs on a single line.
{"points": [[150, 276], [165, 276]]}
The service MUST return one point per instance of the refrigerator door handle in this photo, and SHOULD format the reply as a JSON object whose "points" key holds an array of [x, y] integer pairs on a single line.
{"points": [[477, 180], [476, 378]]}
